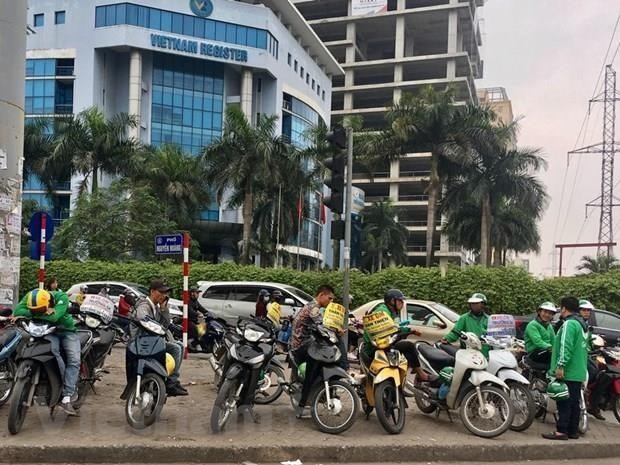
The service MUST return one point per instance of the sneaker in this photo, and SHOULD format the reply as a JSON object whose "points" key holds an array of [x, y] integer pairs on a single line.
{"points": [[597, 414], [68, 409], [175, 390]]}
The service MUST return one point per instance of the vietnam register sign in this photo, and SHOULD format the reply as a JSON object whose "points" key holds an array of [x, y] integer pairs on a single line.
{"points": [[169, 244], [333, 317], [368, 7], [379, 325]]}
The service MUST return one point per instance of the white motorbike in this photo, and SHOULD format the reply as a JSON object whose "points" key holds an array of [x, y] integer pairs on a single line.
{"points": [[482, 399]]}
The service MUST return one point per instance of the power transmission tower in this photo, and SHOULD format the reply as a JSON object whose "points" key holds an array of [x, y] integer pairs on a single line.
{"points": [[607, 148]]}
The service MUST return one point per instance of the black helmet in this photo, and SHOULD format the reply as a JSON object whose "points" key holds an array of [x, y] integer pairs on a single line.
{"points": [[276, 293], [263, 292], [393, 294]]}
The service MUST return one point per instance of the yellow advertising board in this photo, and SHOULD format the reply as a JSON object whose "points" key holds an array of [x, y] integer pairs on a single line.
{"points": [[334, 316], [379, 325], [274, 312]]}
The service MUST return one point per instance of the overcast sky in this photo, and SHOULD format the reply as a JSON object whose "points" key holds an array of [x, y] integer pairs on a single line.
{"points": [[548, 55]]}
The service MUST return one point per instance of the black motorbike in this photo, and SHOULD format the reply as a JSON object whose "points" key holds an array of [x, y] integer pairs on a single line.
{"points": [[39, 377], [242, 366], [147, 372], [333, 401]]}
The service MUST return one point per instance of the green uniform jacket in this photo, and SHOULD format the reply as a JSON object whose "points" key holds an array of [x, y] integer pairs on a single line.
{"points": [[538, 336], [570, 350], [60, 317], [381, 308], [469, 323]]}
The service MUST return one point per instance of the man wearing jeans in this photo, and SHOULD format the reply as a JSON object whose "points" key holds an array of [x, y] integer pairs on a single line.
{"points": [[569, 364], [156, 306], [51, 306]]}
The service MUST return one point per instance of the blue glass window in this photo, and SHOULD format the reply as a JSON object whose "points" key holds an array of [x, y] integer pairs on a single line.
{"points": [[110, 15], [251, 37], [132, 15], [39, 20], [242, 35], [261, 39], [199, 28], [231, 33], [188, 25], [143, 16], [121, 13], [100, 16], [59, 17], [209, 29], [155, 19], [220, 31], [166, 21], [177, 23]]}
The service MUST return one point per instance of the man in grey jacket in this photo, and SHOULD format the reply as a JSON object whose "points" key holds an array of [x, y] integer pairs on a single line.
{"points": [[155, 306]]}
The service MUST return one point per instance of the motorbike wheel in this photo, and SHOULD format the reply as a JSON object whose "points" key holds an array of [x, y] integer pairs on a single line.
{"points": [[83, 386], [615, 403], [390, 406], [269, 388], [144, 413], [343, 412], [497, 412], [18, 407], [224, 405], [524, 405], [423, 402], [7, 380]]}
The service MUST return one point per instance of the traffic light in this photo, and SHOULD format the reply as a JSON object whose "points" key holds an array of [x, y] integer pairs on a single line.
{"points": [[335, 180]]}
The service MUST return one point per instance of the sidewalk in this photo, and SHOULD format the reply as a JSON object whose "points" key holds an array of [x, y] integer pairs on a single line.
{"points": [[101, 434]]}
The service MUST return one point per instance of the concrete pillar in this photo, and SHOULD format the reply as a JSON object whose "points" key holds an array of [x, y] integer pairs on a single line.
{"points": [[350, 53], [394, 191], [395, 169], [12, 75], [399, 39], [453, 20], [135, 90], [246, 93]]}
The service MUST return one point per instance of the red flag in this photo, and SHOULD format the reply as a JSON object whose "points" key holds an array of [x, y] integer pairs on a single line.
{"points": [[322, 212], [300, 206]]}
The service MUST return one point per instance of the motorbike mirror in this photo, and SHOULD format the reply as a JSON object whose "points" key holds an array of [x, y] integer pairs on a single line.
{"points": [[289, 301], [439, 324]]}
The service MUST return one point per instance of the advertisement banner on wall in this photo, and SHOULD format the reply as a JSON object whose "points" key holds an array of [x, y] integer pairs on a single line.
{"points": [[368, 7]]}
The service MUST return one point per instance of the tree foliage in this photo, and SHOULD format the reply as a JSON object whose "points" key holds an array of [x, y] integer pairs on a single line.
{"points": [[383, 238], [600, 264]]}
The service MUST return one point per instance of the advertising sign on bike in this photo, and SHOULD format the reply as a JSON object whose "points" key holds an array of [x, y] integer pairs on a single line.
{"points": [[379, 325], [501, 326], [274, 312], [333, 317], [98, 305]]}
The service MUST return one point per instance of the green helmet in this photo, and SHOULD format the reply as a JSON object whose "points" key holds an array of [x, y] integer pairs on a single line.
{"points": [[301, 371], [477, 298], [557, 390], [446, 374]]}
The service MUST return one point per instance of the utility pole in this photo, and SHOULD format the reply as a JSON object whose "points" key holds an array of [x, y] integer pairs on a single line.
{"points": [[12, 75], [607, 148], [347, 220]]}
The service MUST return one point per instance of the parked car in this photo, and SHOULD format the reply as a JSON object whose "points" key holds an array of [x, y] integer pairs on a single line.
{"points": [[604, 323], [432, 319], [232, 299], [116, 288]]}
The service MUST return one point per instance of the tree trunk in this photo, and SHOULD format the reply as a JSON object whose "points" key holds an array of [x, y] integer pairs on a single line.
{"points": [[433, 192], [497, 256], [504, 257], [95, 181], [380, 260], [485, 231], [247, 226]]}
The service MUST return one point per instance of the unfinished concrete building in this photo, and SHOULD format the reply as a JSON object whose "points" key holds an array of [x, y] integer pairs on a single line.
{"points": [[409, 45]]}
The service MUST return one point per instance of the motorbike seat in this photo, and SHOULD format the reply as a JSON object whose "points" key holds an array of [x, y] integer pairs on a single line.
{"points": [[436, 357], [449, 349], [5, 311], [6, 336], [106, 336], [535, 365], [85, 338]]}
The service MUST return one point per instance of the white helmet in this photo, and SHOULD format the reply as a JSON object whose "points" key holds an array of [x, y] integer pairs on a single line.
{"points": [[583, 303], [550, 306]]}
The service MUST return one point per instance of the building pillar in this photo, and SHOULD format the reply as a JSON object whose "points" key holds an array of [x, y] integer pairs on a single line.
{"points": [[246, 93], [453, 21], [12, 76], [135, 91]]}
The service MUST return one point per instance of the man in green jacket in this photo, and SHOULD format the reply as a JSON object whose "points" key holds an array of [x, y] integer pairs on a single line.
{"points": [[475, 321], [393, 302], [569, 364], [52, 307], [539, 334]]}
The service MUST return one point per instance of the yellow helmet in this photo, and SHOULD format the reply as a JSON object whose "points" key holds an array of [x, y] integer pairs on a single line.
{"points": [[38, 300], [170, 364]]}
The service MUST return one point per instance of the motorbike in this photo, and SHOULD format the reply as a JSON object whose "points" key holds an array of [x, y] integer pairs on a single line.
{"points": [[482, 399], [10, 339], [607, 360], [382, 387], [241, 369], [147, 368], [39, 375], [95, 314], [536, 373], [334, 403]]}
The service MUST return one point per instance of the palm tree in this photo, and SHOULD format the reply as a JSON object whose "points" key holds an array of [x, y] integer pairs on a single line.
{"points": [[422, 123], [89, 145], [38, 147], [177, 179], [383, 235], [491, 171], [600, 264], [240, 160]]}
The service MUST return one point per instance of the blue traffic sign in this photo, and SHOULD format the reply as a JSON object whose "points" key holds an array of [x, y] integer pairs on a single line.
{"points": [[35, 251], [35, 227], [169, 244]]}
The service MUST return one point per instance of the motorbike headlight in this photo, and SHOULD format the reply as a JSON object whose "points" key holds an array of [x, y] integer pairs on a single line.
{"points": [[92, 322], [252, 335], [394, 358], [37, 330], [153, 327]]}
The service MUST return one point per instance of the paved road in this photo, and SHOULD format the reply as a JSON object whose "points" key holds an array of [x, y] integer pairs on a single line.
{"points": [[613, 461]]}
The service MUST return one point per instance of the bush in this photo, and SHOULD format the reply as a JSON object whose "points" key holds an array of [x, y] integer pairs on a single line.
{"points": [[509, 290]]}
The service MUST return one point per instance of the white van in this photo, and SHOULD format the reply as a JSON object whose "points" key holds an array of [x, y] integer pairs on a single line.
{"points": [[232, 299]]}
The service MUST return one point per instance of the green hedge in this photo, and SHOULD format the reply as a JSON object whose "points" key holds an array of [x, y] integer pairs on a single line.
{"points": [[510, 290]]}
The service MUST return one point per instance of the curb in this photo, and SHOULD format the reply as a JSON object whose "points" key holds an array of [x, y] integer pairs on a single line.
{"points": [[111, 453]]}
